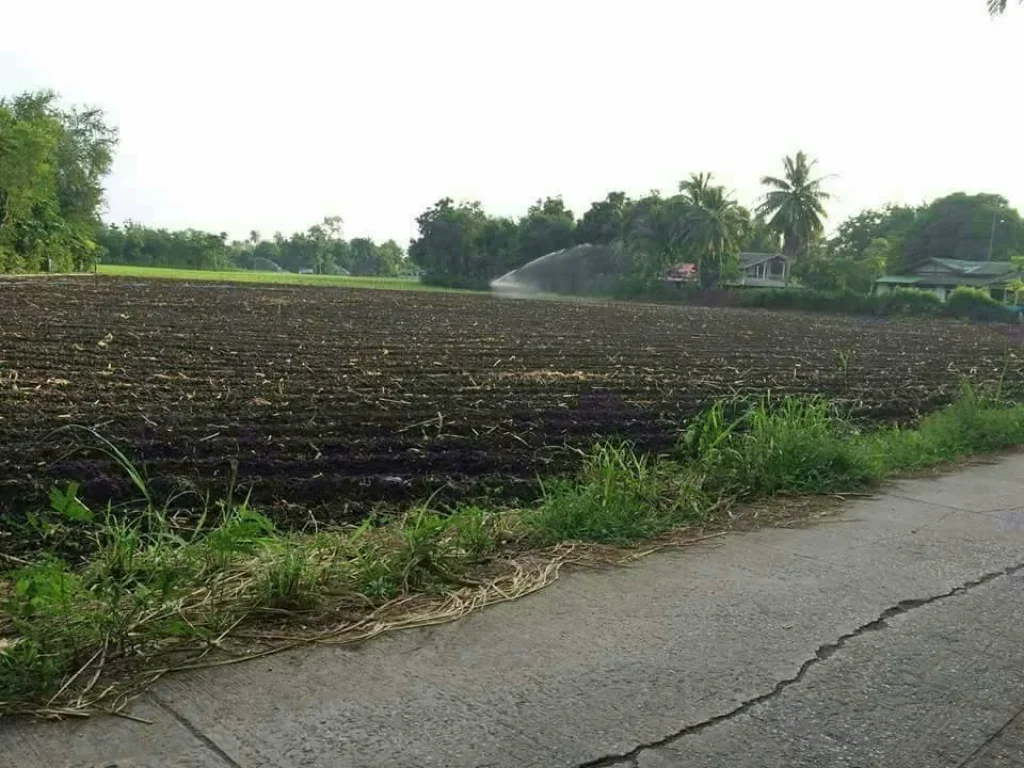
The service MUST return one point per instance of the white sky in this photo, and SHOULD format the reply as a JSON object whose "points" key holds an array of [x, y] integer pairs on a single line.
{"points": [[270, 115]]}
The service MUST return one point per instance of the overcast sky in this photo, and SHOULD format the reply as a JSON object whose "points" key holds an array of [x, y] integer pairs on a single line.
{"points": [[269, 115]]}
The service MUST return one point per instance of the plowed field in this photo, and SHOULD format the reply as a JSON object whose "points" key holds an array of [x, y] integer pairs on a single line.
{"points": [[331, 400]]}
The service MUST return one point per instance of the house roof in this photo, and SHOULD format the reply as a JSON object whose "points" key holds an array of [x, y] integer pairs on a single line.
{"points": [[971, 268], [900, 279], [753, 259], [946, 280], [953, 272]]}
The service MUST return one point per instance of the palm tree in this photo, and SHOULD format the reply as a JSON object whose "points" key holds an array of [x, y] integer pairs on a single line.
{"points": [[715, 227], [997, 7], [794, 206], [696, 188]]}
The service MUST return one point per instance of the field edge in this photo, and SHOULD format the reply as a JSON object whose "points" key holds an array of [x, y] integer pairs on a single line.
{"points": [[151, 598]]}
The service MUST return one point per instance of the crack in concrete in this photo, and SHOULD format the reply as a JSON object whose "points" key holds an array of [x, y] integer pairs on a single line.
{"points": [[970, 758], [197, 733], [822, 653], [931, 502]]}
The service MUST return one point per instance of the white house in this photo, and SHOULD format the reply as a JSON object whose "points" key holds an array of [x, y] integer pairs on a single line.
{"points": [[763, 270]]}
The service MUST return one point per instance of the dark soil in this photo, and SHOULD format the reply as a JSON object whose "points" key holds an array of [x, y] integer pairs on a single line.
{"points": [[333, 400]]}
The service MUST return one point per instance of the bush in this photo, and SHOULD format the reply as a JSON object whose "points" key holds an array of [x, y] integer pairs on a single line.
{"points": [[636, 286], [806, 299], [965, 303], [977, 304], [909, 301]]}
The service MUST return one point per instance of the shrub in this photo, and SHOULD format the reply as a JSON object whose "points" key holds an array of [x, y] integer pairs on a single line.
{"points": [[965, 303], [909, 301], [977, 304], [806, 299]]}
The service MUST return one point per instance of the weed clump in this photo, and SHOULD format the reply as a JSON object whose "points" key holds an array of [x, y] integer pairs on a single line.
{"points": [[619, 497], [795, 445]]}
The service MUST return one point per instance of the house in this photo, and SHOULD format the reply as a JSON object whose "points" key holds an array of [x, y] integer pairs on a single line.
{"points": [[943, 276], [683, 273], [762, 270], [757, 270]]}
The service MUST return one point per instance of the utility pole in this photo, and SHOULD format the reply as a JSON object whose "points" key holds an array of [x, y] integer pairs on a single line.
{"points": [[992, 238]]}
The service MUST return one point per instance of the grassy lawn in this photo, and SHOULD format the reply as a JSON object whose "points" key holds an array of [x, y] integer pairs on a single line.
{"points": [[279, 278]]}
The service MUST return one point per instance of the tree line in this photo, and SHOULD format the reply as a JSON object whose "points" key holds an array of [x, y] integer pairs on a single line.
{"points": [[321, 249], [888, 240], [459, 243], [53, 162], [702, 224], [52, 165]]}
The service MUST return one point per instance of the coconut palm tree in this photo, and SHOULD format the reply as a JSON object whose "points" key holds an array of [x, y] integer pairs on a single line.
{"points": [[715, 226], [997, 7], [697, 187], [794, 205]]}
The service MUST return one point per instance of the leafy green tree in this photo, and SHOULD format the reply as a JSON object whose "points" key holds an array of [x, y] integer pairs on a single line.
{"points": [[368, 258], [84, 158], [794, 205], [962, 226], [27, 146], [547, 227], [498, 239], [340, 256], [654, 234], [890, 223], [448, 239], [390, 258], [759, 237], [364, 256], [265, 251], [877, 257], [825, 268], [318, 249], [702, 225], [818, 269], [52, 164], [603, 223]]}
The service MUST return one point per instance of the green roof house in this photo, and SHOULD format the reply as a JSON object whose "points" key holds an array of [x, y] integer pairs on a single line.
{"points": [[943, 276]]}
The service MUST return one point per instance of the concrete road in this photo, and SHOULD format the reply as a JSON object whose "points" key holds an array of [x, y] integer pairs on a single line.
{"points": [[892, 636]]}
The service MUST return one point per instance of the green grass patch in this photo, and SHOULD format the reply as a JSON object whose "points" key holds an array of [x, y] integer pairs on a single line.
{"points": [[795, 445], [112, 600], [972, 425], [270, 278], [620, 497]]}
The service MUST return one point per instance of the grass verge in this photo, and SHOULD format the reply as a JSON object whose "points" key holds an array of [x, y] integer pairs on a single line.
{"points": [[152, 596]]}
